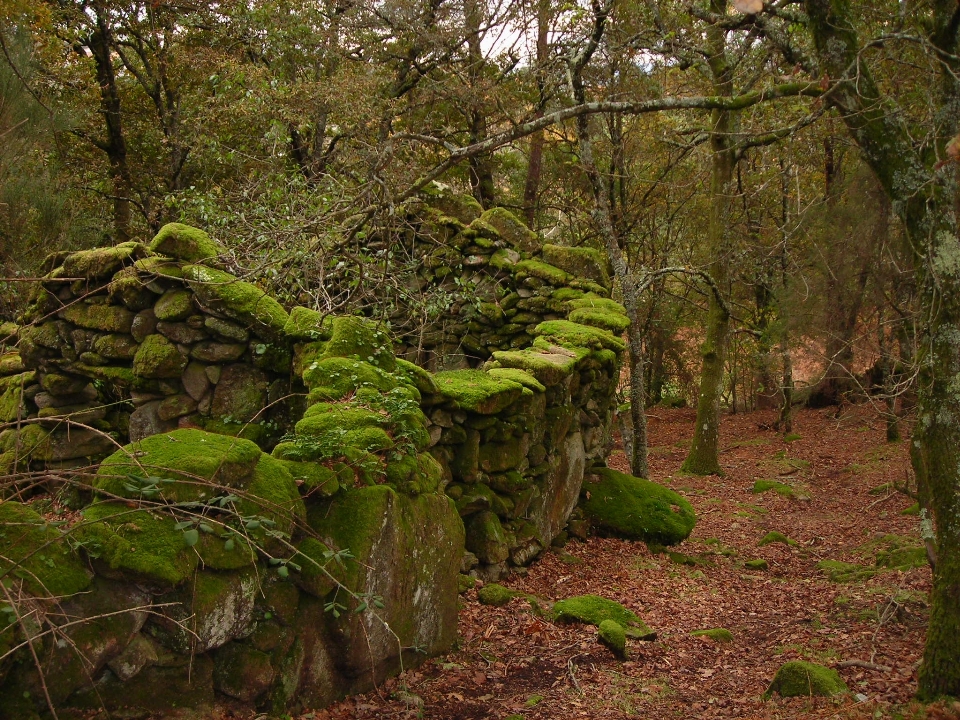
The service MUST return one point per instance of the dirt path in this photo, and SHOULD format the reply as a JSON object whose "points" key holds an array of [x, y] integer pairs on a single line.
{"points": [[510, 662]]}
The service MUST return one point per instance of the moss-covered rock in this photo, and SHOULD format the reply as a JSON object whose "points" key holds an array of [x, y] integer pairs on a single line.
{"points": [[496, 595], [593, 610], [637, 509], [272, 495], [355, 337], [518, 376], [565, 332], [485, 538], [174, 305], [38, 554], [510, 228], [799, 678], [137, 544], [237, 299], [543, 271], [549, 365], [332, 378], [843, 572], [580, 262], [242, 672], [193, 465], [102, 262], [185, 243], [775, 537], [105, 318], [307, 324], [614, 636], [756, 564], [477, 391], [613, 322], [158, 358]]}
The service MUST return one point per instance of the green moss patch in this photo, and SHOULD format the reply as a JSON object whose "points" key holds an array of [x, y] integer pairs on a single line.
{"points": [[593, 610], [636, 509], [332, 378], [614, 636], [158, 358], [542, 271], [579, 261], [354, 337], [843, 572], [144, 545], [614, 322], [307, 324], [565, 332], [185, 243], [509, 227], [106, 318], [549, 366], [720, 635], [240, 300], [38, 553], [496, 595], [782, 489], [776, 537], [757, 564], [192, 459], [477, 391], [798, 678]]}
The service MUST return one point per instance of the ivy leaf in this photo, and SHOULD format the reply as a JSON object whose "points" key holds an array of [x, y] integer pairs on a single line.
{"points": [[191, 537]]}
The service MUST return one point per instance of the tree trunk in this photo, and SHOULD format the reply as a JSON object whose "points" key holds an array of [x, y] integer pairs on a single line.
{"points": [[703, 458], [531, 187], [924, 196], [481, 168]]}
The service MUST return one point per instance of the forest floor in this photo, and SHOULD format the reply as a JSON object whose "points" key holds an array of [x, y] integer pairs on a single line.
{"points": [[510, 662]]}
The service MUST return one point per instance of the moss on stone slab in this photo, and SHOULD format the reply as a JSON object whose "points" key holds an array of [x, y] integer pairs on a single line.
{"points": [[332, 378], [613, 636], [614, 322], [464, 583], [593, 610], [510, 228], [273, 494], [355, 337], [550, 366], [720, 635], [485, 537], [417, 376], [11, 363], [319, 572], [496, 595], [519, 376], [139, 544], [332, 425], [543, 271], [102, 262], [185, 243], [799, 678], [106, 318], [477, 391], [313, 478], [307, 324], [159, 265], [565, 332], [635, 508], [38, 554], [579, 261], [193, 459], [240, 300]]}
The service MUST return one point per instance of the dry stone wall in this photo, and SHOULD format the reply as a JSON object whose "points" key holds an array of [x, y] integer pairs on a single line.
{"points": [[276, 505]]}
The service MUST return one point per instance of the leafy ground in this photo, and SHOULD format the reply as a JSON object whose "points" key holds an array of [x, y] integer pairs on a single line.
{"points": [[510, 662]]}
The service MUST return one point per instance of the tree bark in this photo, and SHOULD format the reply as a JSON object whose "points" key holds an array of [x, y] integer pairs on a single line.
{"points": [[924, 197], [531, 187], [703, 458]]}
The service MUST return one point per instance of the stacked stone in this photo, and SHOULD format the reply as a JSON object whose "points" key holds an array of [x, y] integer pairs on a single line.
{"points": [[130, 341], [504, 281], [515, 438]]}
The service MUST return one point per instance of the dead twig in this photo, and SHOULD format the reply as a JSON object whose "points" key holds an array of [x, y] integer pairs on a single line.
{"points": [[863, 664]]}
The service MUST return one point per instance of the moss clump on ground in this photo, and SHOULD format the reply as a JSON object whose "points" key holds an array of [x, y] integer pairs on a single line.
{"points": [[776, 537], [758, 564], [637, 509], [138, 543], [240, 300], [565, 332], [720, 635], [38, 553], [477, 391], [799, 678], [762, 486], [593, 610], [196, 461], [184, 242], [496, 595], [614, 636], [843, 572], [464, 583]]}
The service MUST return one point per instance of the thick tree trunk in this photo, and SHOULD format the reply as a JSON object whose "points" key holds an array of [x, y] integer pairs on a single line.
{"points": [[924, 196], [703, 458]]}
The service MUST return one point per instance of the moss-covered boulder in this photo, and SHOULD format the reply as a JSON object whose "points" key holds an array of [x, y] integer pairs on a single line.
{"points": [[105, 318], [185, 243], [102, 262], [306, 324], [242, 672], [38, 554], [510, 228], [550, 365], [158, 358], [566, 333], [637, 509], [496, 595], [407, 551], [485, 538], [593, 610], [355, 337], [237, 299], [798, 678], [186, 464], [580, 262], [720, 635]]}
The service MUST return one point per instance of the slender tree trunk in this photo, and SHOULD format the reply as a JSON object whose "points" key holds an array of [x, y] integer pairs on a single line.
{"points": [[481, 169], [703, 458], [531, 188]]}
